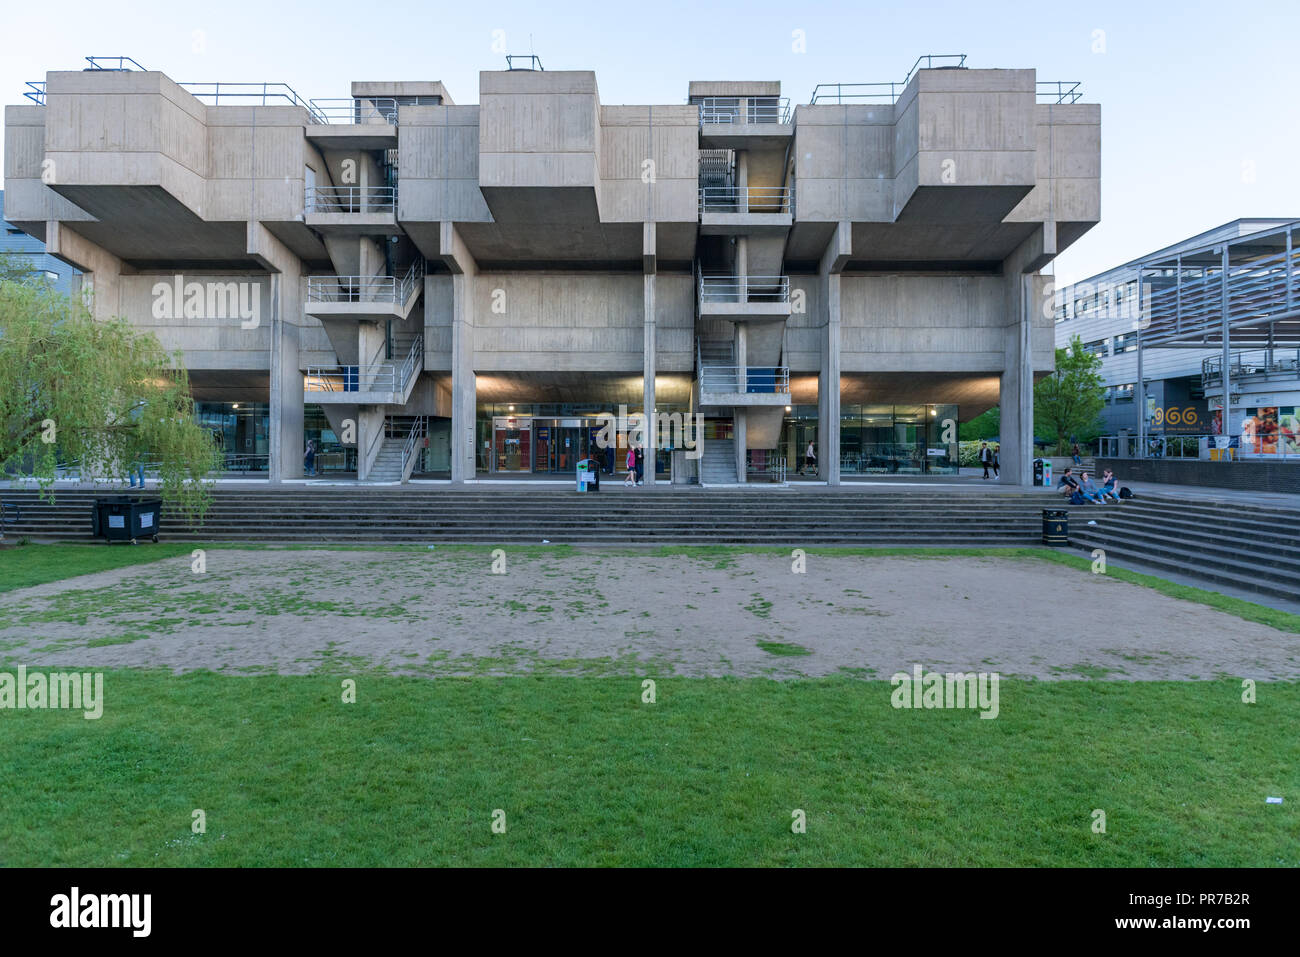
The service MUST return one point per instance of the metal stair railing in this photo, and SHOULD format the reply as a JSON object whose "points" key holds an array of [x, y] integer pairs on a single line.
{"points": [[351, 199]]}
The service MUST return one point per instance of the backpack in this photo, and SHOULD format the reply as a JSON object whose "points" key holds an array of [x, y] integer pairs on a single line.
{"points": [[1126, 492], [1077, 499]]}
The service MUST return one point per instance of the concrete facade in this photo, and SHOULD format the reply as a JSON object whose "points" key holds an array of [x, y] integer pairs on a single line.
{"points": [[540, 257]]}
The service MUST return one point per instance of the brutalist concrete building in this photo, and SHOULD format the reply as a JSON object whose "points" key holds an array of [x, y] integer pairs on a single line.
{"points": [[471, 290]]}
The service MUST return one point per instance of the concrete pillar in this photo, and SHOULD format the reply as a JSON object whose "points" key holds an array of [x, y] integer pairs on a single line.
{"points": [[648, 366], [1016, 394], [742, 181], [739, 429], [286, 397], [742, 356], [828, 388], [286, 442], [464, 438], [370, 427], [371, 341]]}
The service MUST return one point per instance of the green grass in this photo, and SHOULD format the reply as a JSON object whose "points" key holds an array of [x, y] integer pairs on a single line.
{"points": [[783, 648], [30, 565], [589, 775]]}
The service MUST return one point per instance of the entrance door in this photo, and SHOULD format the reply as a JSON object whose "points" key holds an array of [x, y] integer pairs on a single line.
{"points": [[512, 444]]}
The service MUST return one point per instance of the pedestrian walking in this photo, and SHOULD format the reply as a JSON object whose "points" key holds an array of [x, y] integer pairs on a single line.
{"points": [[986, 458], [309, 460], [631, 467], [997, 461], [609, 459], [640, 466], [810, 459]]}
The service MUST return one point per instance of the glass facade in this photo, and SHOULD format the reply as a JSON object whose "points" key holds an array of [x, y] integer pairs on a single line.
{"points": [[331, 455], [879, 439], [550, 438], [241, 431]]}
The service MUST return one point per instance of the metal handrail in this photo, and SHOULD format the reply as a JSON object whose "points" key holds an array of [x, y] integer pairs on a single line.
{"points": [[870, 92], [929, 59], [886, 92], [37, 92], [1195, 445], [744, 289], [759, 380], [356, 110], [260, 94], [746, 199], [95, 62], [534, 62], [1252, 362], [744, 109], [365, 288], [383, 377], [1058, 91], [351, 199], [413, 437]]}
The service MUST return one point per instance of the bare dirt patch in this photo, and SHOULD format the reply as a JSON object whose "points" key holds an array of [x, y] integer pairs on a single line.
{"points": [[444, 612]]}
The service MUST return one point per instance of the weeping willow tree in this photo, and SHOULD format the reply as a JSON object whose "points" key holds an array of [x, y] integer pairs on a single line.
{"points": [[96, 394]]}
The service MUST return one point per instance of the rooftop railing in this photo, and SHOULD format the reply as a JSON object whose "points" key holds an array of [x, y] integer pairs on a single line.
{"points": [[840, 93], [1058, 91], [35, 92], [740, 109], [351, 199], [746, 199], [356, 110], [744, 289], [529, 62], [117, 63], [1253, 362], [254, 94]]}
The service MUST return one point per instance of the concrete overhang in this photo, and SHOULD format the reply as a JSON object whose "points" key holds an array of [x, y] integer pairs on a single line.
{"points": [[729, 88], [746, 311], [759, 399], [355, 224], [745, 136], [745, 224], [353, 136]]}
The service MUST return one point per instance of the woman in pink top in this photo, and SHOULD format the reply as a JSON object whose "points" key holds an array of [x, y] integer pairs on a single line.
{"points": [[631, 466]]}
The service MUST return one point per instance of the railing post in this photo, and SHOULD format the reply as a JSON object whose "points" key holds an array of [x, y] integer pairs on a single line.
{"points": [[1227, 343]]}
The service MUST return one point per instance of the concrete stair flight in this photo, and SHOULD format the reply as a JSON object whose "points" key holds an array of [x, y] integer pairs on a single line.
{"points": [[718, 464]]}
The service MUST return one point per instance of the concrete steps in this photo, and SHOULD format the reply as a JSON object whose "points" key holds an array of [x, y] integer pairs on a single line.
{"points": [[718, 465], [1252, 547], [1255, 548]]}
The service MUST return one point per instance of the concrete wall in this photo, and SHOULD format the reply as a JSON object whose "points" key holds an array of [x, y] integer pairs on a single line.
{"points": [[1254, 476]]}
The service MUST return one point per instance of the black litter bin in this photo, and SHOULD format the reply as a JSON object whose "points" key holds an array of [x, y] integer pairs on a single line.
{"points": [[1056, 526], [125, 519], [1038, 472]]}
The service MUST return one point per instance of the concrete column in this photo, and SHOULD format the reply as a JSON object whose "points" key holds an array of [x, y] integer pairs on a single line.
{"points": [[371, 339], [370, 426], [648, 365], [742, 356], [286, 397], [742, 181], [828, 388], [740, 423], [464, 438], [464, 412], [286, 441], [1016, 396]]}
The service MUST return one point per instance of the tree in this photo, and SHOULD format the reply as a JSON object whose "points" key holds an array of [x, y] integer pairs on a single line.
{"points": [[1068, 403], [986, 425], [16, 268], [97, 393]]}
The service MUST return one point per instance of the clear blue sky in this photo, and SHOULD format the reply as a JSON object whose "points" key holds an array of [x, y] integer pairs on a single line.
{"points": [[1199, 117]]}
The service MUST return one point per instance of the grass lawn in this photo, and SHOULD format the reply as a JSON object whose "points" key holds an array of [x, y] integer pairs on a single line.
{"points": [[587, 774]]}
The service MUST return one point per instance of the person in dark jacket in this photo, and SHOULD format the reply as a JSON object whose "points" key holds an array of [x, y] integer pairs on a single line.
{"points": [[640, 466], [997, 461], [986, 458]]}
